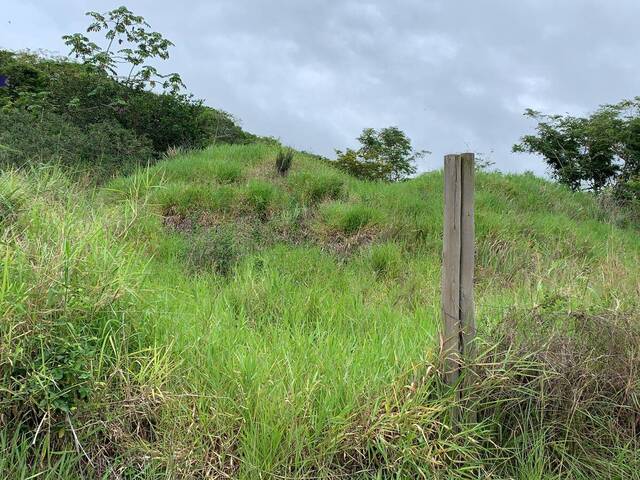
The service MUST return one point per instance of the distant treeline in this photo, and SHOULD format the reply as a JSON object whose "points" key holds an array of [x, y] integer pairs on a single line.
{"points": [[55, 109]]}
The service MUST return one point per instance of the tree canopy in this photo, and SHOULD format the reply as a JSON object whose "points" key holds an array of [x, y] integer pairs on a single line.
{"points": [[384, 154], [592, 152]]}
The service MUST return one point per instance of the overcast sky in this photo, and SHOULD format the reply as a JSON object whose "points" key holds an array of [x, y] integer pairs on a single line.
{"points": [[455, 76]]}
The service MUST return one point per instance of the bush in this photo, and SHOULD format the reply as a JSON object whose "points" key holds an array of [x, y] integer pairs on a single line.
{"points": [[103, 148], [85, 117], [599, 152], [168, 121], [384, 154]]}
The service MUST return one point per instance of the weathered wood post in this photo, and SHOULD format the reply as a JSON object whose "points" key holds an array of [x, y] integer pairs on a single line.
{"points": [[457, 268]]}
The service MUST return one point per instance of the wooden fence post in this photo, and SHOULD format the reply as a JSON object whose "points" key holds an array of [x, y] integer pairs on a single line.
{"points": [[457, 268]]}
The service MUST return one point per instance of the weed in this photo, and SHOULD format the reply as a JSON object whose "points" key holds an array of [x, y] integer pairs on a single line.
{"points": [[213, 250], [284, 159], [279, 358]]}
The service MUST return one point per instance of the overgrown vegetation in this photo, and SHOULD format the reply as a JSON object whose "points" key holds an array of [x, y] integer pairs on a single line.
{"points": [[188, 322], [600, 152], [89, 115], [209, 316]]}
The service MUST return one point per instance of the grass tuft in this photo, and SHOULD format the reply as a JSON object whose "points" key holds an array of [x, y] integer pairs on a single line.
{"points": [[349, 218]]}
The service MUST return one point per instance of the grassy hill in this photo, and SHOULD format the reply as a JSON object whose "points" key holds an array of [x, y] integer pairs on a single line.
{"points": [[209, 318]]}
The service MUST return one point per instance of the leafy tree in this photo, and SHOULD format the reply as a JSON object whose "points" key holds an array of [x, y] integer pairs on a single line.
{"points": [[130, 45], [385, 154], [593, 152], [67, 100]]}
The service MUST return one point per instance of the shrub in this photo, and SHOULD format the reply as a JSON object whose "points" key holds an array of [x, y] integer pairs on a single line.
{"points": [[76, 102], [588, 152], [284, 159], [349, 218], [103, 148]]}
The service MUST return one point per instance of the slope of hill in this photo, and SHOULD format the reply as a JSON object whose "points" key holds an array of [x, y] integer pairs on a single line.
{"points": [[210, 318]]}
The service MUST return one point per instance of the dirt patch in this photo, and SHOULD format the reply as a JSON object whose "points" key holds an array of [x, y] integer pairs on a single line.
{"points": [[346, 245], [256, 233], [175, 221]]}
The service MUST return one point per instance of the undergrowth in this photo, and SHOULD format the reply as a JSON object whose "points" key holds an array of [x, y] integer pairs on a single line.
{"points": [[209, 318]]}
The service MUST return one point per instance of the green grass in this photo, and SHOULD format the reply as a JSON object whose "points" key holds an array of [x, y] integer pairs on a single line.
{"points": [[349, 218], [285, 327]]}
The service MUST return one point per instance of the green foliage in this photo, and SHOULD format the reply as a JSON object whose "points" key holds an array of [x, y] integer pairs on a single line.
{"points": [[386, 154], [260, 195], [53, 373], [589, 152], [101, 149], [314, 188], [233, 350], [349, 218], [284, 159], [213, 251], [129, 47], [79, 101], [227, 172]]}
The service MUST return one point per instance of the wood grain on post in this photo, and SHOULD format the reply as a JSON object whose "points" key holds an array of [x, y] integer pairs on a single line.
{"points": [[467, 264], [467, 254], [457, 269], [451, 268]]}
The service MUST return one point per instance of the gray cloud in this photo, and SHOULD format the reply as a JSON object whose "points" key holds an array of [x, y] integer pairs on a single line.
{"points": [[454, 75]]}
